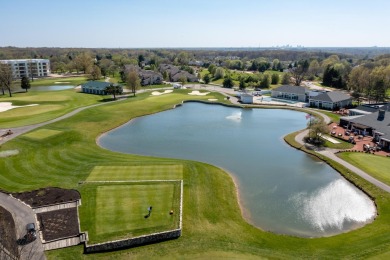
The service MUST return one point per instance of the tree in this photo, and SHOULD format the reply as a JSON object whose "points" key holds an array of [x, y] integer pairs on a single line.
{"points": [[83, 61], [212, 68], [183, 80], [275, 64], [114, 89], [206, 78], [274, 79], [105, 65], [317, 128], [358, 82], [133, 81], [299, 71], [228, 82], [286, 79], [242, 85], [265, 82], [219, 73], [314, 68], [25, 83], [6, 78], [94, 73]]}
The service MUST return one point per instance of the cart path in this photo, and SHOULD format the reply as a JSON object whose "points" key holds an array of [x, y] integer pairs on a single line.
{"points": [[330, 153], [22, 215], [16, 131]]}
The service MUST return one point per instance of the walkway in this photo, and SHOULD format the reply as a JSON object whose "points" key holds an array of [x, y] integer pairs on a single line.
{"points": [[330, 153], [23, 215]]}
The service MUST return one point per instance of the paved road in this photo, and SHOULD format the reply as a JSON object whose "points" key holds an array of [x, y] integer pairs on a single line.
{"points": [[23, 215]]}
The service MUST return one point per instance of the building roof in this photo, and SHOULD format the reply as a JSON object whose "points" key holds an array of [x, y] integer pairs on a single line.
{"points": [[334, 96], [96, 85], [374, 121], [291, 89]]}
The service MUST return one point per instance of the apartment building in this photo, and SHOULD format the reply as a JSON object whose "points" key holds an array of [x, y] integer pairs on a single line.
{"points": [[30, 67]]}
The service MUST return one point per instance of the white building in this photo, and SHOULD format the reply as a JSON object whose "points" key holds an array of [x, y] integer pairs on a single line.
{"points": [[30, 67]]}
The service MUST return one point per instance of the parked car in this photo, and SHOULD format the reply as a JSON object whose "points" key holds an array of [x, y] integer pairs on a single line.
{"points": [[29, 237]]}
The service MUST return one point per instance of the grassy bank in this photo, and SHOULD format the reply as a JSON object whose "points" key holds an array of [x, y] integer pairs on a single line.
{"points": [[212, 222], [377, 166]]}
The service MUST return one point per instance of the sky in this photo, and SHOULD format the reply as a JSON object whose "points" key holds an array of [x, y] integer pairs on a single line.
{"points": [[200, 23]]}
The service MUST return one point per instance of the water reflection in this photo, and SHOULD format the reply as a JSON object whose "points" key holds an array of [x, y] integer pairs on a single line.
{"points": [[333, 206]]}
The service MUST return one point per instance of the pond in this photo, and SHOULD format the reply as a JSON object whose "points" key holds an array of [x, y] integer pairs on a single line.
{"points": [[281, 189], [51, 88]]}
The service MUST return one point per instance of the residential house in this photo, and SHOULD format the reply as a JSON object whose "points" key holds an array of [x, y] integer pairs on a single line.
{"points": [[97, 87], [295, 93], [331, 100], [175, 74], [147, 77]]}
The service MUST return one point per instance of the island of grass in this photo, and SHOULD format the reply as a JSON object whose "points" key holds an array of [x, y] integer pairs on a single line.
{"points": [[213, 226]]}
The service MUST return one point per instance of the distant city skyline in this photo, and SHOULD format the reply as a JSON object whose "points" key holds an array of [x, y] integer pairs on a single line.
{"points": [[186, 24]]}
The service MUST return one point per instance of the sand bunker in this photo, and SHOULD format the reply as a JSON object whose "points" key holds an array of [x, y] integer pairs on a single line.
{"points": [[4, 106], [212, 99], [197, 93], [61, 82], [157, 93]]}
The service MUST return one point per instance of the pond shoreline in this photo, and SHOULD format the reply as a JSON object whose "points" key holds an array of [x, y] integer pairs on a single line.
{"points": [[244, 211]]}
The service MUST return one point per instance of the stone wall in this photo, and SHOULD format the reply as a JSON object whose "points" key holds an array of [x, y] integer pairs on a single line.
{"points": [[132, 242]]}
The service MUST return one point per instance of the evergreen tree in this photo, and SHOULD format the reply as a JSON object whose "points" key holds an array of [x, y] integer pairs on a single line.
{"points": [[274, 79], [228, 82], [25, 83]]}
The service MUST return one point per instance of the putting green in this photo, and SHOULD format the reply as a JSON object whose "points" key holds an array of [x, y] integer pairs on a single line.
{"points": [[42, 134], [124, 207], [136, 172]]}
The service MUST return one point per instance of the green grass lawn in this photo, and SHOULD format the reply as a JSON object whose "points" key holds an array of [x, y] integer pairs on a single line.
{"points": [[136, 173], [48, 105], [58, 81], [341, 145], [377, 166], [115, 211], [42, 134], [213, 225]]}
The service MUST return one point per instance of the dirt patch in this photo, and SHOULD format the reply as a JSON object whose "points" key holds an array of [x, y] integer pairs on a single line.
{"points": [[7, 234], [47, 196], [59, 224]]}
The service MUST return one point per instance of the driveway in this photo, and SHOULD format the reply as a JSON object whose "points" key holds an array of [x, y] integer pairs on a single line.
{"points": [[23, 215]]}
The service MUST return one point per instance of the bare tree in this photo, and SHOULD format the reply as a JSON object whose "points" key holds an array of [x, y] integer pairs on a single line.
{"points": [[299, 72], [83, 61], [94, 72], [133, 80], [6, 78]]}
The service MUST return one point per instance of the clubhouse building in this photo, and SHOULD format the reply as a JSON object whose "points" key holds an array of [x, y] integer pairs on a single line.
{"points": [[31, 68], [375, 124], [97, 87]]}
